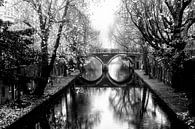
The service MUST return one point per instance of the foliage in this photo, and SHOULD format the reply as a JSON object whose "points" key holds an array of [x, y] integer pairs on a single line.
{"points": [[164, 25], [185, 116], [51, 18], [10, 113], [126, 35], [57, 24], [14, 46], [77, 36]]}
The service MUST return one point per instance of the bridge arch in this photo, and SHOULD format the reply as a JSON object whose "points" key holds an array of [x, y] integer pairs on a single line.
{"points": [[105, 59], [118, 55], [92, 70], [120, 68], [94, 56], [103, 81]]}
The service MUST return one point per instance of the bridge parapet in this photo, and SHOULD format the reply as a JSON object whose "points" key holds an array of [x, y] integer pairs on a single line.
{"points": [[105, 57], [119, 52]]}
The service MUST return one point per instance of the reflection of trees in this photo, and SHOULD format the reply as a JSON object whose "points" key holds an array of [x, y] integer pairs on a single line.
{"points": [[72, 112], [126, 101], [130, 105], [81, 117]]}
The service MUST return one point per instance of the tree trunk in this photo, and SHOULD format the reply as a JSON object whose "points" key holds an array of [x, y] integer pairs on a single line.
{"points": [[44, 122], [46, 67], [189, 79], [42, 81], [145, 60]]}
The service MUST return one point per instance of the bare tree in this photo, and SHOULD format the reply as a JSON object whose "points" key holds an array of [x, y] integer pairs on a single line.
{"points": [[162, 22], [164, 25], [78, 35], [129, 38], [52, 17], [126, 35], [55, 22]]}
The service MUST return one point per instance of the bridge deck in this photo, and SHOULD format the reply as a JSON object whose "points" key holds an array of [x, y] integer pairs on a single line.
{"points": [[133, 53]]}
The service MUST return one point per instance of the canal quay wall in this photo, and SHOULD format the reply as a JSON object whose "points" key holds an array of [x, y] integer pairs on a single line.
{"points": [[37, 104], [176, 101]]}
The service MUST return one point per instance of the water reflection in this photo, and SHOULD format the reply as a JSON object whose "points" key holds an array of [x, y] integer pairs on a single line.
{"points": [[120, 68], [74, 111], [92, 69], [135, 107], [106, 108]]}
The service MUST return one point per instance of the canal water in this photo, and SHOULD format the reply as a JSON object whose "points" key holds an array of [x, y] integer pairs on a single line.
{"points": [[108, 108], [130, 106]]}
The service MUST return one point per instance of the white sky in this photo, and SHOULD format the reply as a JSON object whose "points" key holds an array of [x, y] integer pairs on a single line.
{"points": [[103, 19]]}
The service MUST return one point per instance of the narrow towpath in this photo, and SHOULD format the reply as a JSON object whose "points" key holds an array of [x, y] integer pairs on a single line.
{"points": [[177, 101], [10, 114]]}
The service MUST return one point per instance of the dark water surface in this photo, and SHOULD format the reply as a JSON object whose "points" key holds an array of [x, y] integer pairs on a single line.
{"points": [[127, 107]]}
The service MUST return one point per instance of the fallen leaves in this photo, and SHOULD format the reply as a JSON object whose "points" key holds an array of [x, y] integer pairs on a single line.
{"points": [[187, 119], [9, 113]]}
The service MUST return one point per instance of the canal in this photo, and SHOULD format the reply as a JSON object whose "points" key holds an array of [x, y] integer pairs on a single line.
{"points": [[133, 106], [130, 107]]}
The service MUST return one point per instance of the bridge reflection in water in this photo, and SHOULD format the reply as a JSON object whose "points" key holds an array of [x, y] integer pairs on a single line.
{"points": [[118, 69]]}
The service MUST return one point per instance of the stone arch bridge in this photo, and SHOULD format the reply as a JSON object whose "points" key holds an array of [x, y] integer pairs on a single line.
{"points": [[106, 57], [105, 78]]}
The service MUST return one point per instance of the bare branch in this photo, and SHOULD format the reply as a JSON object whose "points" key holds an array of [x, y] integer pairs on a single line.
{"points": [[170, 7]]}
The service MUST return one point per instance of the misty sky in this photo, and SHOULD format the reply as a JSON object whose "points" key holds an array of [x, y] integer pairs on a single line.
{"points": [[103, 19]]}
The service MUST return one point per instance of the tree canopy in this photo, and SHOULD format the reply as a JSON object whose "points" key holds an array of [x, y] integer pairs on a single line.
{"points": [[164, 25], [14, 46]]}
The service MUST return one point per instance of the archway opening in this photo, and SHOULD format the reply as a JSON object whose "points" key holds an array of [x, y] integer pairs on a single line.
{"points": [[120, 68], [92, 69]]}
